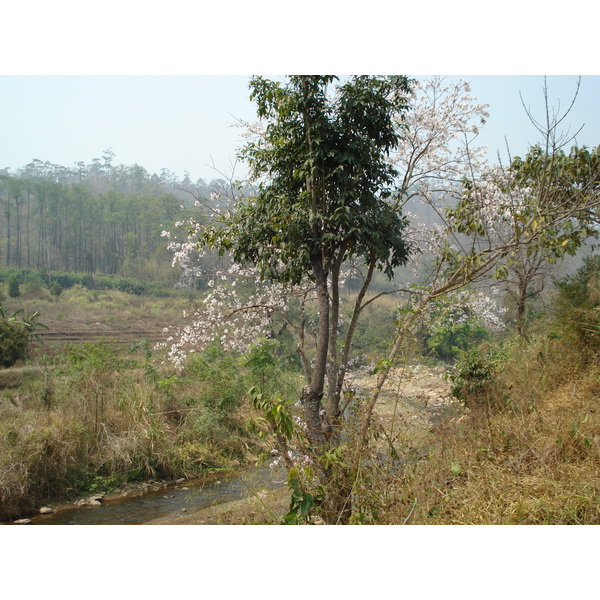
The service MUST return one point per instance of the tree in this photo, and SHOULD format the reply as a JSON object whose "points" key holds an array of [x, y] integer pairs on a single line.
{"points": [[561, 182], [323, 199]]}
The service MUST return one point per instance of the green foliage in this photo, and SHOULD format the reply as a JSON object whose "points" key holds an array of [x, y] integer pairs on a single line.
{"points": [[129, 287], [29, 322], [582, 288], [266, 366], [208, 424], [560, 183], [87, 282], [474, 375], [89, 357], [328, 178], [223, 384], [14, 290], [56, 289], [578, 304], [303, 503], [276, 420], [449, 340], [17, 329], [261, 359], [37, 279], [13, 342]]}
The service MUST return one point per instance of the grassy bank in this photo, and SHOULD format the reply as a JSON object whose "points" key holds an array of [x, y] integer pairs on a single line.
{"points": [[527, 451]]}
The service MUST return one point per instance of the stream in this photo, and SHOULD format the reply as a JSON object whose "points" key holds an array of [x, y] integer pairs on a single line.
{"points": [[151, 505]]}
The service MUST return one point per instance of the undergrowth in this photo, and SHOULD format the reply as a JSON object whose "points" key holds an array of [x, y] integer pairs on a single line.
{"points": [[526, 449], [98, 416]]}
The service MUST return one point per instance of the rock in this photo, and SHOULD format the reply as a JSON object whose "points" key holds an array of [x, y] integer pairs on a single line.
{"points": [[46, 510], [95, 500], [184, 489], [181, 480], [184, 510], [22, 521]]}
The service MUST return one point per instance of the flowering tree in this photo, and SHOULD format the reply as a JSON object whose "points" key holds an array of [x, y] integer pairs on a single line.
{"points": [[489, 217]]}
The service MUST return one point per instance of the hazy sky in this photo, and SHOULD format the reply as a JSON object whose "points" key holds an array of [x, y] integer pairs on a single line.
{"points": [[185, 123]]}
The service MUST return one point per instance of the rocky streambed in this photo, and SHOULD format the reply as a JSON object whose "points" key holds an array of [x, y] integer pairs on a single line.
{"points": [[414, 399]]}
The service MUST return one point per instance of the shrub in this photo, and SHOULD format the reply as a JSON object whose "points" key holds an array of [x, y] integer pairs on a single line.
{"points": [[13, 287], [447, 341], [129, 287], [88, 282], [13, 342], [56, 289], [474, 375]]}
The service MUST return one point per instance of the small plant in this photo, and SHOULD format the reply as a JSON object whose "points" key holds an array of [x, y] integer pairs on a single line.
{"points": [[473, 376], [263, 362], [13, 342], [14, 290], [303, 503]]}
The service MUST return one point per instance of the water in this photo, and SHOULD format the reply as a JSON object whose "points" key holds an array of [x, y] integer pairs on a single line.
{"points": [[156, 504]]}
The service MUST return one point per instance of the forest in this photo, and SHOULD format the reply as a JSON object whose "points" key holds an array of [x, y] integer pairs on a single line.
{"points": [[96, 218], [410, 332]]}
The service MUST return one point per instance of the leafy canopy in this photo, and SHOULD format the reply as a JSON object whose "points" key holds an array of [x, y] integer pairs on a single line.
{"points": [[322, 163]]}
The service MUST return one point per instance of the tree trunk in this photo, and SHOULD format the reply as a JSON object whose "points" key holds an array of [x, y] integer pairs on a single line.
{"points": [[312, 394], [521, 308]]}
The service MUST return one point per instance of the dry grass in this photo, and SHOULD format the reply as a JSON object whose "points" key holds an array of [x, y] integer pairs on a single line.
{"points": [[98, 418], [532, 458]]}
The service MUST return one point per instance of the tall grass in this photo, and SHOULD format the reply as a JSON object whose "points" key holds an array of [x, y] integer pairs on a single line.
{"points": [[97, 417]]}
